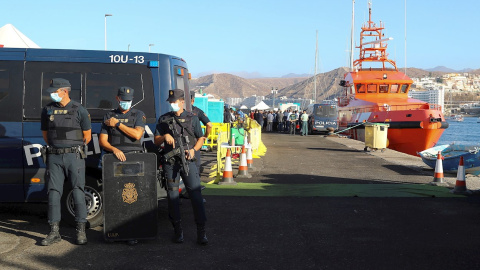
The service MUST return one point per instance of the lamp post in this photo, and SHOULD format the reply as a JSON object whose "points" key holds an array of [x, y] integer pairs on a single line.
{"points": [[274, 92], [106, 15], [150, 45]]}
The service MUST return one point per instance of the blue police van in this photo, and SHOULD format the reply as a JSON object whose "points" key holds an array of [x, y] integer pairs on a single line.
{"points": [[95, 77], [322, 116]]}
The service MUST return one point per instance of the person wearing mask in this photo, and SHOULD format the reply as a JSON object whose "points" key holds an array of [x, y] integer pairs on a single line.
{"points": [[66, 128], [188, 127], [123, 128]]}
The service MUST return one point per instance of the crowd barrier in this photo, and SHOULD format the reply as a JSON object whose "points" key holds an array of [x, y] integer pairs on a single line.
{"points": [[221, 135]]}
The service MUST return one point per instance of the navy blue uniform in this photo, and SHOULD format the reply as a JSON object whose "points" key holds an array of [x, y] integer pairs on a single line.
{"points": [[65, 126], [133, 118], [204, 119], [173, 168]]}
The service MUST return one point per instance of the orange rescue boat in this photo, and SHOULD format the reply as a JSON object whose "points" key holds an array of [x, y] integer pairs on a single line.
{"points": [[380, 95]]}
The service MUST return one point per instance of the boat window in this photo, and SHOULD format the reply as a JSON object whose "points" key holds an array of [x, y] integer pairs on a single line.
{"points": [[372, 88], [404, 88], [394, 88], [383, 88], [360, 88]]}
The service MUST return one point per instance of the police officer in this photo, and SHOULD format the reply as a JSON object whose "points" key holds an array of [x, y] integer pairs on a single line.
{"points": [[188, 126], [66, 127], [293, 117], [208, 127], [122, 128]]}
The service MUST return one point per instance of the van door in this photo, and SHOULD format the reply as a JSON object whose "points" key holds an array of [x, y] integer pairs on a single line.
{"points": [[11, 157]]}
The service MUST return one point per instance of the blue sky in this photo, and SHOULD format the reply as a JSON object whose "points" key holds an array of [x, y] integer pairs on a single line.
{"points": [[272, 38]]}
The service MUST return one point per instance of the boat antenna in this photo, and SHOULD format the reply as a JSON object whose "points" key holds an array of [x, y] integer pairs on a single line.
{"points": [[352, 35], [315, 74]]}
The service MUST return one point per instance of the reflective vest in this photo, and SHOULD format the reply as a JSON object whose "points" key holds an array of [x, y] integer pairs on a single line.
{"points": [[63, 125], [119, 139]]}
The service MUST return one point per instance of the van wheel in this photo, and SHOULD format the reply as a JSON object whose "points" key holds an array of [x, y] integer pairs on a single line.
{"points": [[93, 199]]}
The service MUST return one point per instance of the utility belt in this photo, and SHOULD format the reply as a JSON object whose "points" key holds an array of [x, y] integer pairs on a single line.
{"points": [[67, 150]]}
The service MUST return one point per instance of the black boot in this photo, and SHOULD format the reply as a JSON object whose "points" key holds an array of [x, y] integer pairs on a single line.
{"points": [[54, 235], [201, 235], [177, 228], [81, 235]]}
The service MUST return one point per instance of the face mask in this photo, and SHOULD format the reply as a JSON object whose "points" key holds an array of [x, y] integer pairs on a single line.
{"points": [[174, 107], [55, 97], [125, 105]]}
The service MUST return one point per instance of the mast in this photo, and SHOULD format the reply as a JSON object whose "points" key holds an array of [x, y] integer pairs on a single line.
{"points": [[352, 35], [315, 74]]}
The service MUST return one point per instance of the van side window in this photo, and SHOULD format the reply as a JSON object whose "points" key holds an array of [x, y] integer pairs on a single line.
{"points": [[101, 89], [11, 87]]}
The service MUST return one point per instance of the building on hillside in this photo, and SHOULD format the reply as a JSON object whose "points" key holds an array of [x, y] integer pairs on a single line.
{"points": [[252, 101], [234, 101], [432, 96]]}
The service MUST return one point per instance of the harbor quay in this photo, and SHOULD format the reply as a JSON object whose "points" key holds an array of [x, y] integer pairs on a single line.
{"points": [[313, 202]]}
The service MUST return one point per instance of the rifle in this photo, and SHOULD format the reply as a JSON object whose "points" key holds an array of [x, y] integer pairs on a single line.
{"points": [[179, 150]]}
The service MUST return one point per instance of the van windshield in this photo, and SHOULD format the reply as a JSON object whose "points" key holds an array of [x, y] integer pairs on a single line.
{"points": [[326, 111]]}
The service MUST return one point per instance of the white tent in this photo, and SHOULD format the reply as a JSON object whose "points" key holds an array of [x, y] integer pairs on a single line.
{"points": [[243, 107], [10, 37], [260, 106]]}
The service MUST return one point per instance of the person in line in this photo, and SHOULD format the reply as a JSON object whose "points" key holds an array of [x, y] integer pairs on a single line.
{"points": [[293, 122], [280, 121], [123, 128], [227, 117], [188, 126], [269, 121], [304, 119], [66, 128]]}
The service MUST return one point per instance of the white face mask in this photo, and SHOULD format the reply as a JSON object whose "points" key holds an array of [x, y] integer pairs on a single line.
{"points": [[55, 97], [174, 107]]}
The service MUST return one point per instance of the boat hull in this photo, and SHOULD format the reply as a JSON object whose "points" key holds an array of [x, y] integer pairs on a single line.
{"points": [[451, 157]]}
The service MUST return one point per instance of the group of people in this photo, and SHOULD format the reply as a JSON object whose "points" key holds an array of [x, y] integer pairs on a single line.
{"points": [[66, 129], [287, 121]]}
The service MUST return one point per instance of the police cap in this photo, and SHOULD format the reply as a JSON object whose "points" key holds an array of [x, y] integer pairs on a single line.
{"points": [[57, 83], [175, 94], [125, 93]]}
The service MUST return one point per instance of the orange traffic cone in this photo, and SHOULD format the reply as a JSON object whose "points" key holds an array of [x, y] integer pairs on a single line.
{"points": [[461, 185], [250, 158], [227, 171], [243, 169], [438, 176]]}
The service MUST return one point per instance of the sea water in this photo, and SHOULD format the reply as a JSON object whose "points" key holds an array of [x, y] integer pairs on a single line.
{"points": [[466, 132]]}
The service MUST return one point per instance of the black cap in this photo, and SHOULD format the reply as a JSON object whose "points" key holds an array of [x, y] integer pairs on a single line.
{"points": [[125, 93], [175, 94], [57, 83]]}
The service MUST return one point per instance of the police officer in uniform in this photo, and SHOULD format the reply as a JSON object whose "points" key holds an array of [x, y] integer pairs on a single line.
{"points": [[66, 128], [206, 122], [188, 126], [122, 128]]}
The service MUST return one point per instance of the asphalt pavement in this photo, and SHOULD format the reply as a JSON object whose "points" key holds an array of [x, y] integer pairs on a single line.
{"points": [[313, 203]]}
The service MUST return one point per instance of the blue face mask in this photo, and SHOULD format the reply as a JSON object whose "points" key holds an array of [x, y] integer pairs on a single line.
{"points": [[55, 97], [174, 107], [125, 105]]}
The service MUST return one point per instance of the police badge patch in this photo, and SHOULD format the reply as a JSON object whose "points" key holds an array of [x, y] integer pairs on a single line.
{"points": [[52, 117], [129, 193]]}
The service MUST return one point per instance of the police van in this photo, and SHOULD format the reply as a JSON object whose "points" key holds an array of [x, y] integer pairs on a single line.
{"points": [[322, 116], [95, 77]]}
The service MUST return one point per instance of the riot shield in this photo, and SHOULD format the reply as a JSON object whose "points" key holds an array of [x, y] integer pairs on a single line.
{"points": [[130, 197]]}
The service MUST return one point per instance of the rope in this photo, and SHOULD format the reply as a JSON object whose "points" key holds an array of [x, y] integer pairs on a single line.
{"points": [[340, 131]]}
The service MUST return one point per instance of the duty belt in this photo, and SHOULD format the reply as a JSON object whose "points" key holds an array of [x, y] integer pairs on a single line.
{"points": [[58, 151]]}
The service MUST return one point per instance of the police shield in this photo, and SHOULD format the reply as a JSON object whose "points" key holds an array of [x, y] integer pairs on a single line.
{"points": [[130, 197]]}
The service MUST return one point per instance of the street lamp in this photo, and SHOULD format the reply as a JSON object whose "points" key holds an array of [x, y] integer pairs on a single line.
{"points": [[150, 45], [106, 15], [274, 92]]}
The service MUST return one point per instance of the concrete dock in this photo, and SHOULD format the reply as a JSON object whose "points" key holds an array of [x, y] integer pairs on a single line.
{"points": [[315, 203]]}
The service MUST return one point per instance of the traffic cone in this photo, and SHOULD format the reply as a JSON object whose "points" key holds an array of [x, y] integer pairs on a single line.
{"points": [[227, 171], [460, 184], [250, 159], [438, 176], [243, 169]]}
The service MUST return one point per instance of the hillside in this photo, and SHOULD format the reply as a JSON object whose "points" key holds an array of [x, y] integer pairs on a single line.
{"points": [[226, 85]]}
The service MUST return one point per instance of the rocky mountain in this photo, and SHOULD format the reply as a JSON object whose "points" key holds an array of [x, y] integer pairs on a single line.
{"points": [[227, 85]]}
